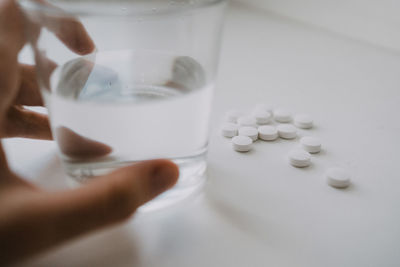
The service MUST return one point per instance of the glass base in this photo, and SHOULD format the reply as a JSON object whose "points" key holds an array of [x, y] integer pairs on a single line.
{"points": [[191, 179]]}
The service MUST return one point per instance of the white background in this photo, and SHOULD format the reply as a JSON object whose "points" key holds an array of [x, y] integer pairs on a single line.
{"points": [[256, 209], [374, 21]]}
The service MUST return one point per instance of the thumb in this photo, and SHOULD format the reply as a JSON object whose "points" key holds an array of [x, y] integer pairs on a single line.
{"points": [[52, 218], [111, 198]]}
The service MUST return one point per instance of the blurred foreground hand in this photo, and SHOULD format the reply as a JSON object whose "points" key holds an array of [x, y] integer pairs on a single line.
{"points": [[31, 219]]}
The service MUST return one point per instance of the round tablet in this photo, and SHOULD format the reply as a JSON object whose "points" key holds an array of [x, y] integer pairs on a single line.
{"points": [[268, 133], [233, 115], [287, 131], [229, 129], [242, 143], [282, 115], [262, 117], [249, 131], [264, 107], [303, 121], [338, 177], [247, 121], [311, 144], [299, 158]]}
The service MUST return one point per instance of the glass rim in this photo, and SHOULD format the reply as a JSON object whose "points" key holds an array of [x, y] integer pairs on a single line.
{"points": [[36, 6]]}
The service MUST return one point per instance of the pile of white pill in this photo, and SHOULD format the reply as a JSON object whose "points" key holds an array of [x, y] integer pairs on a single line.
{"points": [[267, 124]]}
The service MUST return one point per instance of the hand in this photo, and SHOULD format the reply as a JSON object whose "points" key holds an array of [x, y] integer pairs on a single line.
{"points": [[32, 219]]}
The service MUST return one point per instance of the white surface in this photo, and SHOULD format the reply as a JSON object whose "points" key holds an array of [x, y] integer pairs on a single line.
{"points": [[233, 115], [257, 210], [282, 115], [303, 121], [264, 107], [247, 121], [374, 21]]}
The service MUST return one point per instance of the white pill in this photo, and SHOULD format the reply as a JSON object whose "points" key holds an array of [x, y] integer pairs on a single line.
{"points": [[262, 117], [299, 158], [311, 144], [338, 177], [268, 133], [303, 121], [233, 115], [247, 121], [249, 131], [242, 143], [287, 131], [264, 107], [229, 129], [282, 115]]}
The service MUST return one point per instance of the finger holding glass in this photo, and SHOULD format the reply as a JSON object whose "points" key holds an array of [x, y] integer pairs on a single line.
{"points": [[32, 219]]}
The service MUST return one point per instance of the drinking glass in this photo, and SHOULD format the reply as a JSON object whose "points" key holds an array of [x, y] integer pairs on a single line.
{"points": [[126, 81]]}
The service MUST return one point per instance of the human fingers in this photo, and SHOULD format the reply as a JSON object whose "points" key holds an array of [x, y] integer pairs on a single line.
{"points": [[9, 80], [66, 27], [11, 41], [52, 218], [29, 93], [77, 146], [4, 169], [113, 197], [20, 122], [11, 25], [72, 33]]}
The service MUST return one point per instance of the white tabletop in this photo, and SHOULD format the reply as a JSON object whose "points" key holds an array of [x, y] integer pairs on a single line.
{"points": [[257, 210]]}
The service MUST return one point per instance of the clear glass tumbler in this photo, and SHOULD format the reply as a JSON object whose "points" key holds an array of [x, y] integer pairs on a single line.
{"points": [[126, 81]]}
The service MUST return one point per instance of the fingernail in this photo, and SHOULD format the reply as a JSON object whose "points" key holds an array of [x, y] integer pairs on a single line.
{"points": [[164, 177]]}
